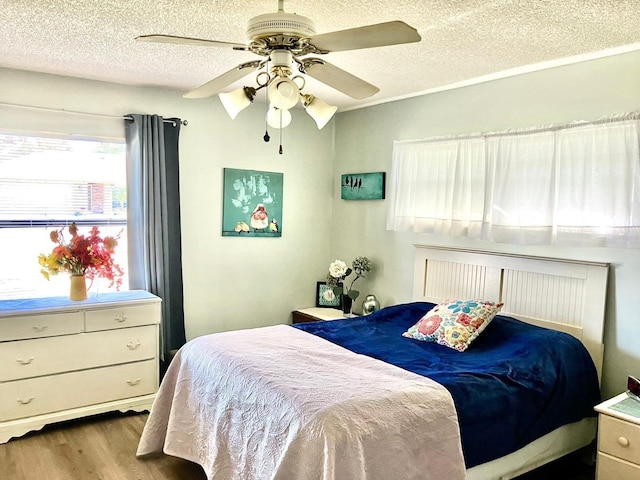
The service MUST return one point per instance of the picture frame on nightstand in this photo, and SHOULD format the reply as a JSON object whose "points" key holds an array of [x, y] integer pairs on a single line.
{"points": [[321, 296]]}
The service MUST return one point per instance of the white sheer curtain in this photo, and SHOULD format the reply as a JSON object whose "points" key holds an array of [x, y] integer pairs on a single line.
{"points": [[520, 192], [574, 184], [438, 195]]}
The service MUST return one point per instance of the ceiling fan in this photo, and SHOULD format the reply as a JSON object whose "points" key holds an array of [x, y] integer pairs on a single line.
{"points": [[287, 40]]}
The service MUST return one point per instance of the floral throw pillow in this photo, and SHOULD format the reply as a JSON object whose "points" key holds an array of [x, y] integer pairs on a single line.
{"points": [[454, 324]]}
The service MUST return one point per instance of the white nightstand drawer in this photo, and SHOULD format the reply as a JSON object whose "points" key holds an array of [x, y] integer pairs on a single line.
{"points": [[126, 316], [44, 356], [619, 438], [25, 398], [36, 326], [611, 468]]}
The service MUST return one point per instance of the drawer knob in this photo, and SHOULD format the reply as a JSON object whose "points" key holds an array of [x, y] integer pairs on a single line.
{"points": [[121, 318], [24, 362], [133, 382], [40, 328], [133, 344], [22, 401], [623, 442]]}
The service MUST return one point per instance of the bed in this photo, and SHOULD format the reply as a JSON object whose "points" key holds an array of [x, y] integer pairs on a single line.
{"points": [[334, 400]]}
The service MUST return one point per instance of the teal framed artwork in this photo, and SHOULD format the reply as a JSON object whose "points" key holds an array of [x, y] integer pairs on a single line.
{"points": [[252, 203], [362, 186]]}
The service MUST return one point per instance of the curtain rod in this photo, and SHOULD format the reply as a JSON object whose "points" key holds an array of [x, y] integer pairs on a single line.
{"points": [[635, 115], [126, 117], [182, 122]]}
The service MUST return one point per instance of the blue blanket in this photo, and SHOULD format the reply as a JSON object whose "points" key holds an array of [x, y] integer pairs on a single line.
{"points": [[514, 384]]}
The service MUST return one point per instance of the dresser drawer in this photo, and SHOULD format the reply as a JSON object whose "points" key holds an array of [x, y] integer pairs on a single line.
{"points": [[611, 468], [43, 325], [618, 438], [45, 356], [126, 316], [36, 396]]}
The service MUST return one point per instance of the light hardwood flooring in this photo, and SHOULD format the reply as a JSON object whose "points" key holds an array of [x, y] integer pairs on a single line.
{"points": [[98, 448], [103, 448]]}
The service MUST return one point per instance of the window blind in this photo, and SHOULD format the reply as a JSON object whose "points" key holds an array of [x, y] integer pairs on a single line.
{"points": [[47, 183]]}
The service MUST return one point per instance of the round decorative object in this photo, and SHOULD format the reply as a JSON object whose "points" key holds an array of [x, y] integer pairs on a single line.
{"points": [[370, 304], [78, 288]]}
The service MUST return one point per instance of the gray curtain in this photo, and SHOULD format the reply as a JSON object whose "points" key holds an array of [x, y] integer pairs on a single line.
{"points": [[153, 219]]}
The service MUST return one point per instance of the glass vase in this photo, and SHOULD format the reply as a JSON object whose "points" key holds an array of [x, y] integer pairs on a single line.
{"points": [[347, 303]]}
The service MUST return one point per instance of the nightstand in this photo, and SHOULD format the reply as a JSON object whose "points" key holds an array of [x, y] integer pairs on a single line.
{"points": [[316, 314], [618, 439]]}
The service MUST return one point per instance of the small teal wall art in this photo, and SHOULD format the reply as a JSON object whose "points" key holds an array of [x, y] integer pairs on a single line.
{"points": [[363, 186], [252, 203]]}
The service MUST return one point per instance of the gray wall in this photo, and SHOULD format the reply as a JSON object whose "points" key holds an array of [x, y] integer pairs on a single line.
{"points": [[234, 283], [364, 141], [229, 282]]}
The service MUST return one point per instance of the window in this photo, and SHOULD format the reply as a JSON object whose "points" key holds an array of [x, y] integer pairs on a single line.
{"points": [[47, 182], [575, 184]]}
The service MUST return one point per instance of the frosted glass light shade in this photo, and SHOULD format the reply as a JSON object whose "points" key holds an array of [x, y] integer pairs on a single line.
{"points": [[236, 101], [274, 115], [283, 93], [319, 110]]}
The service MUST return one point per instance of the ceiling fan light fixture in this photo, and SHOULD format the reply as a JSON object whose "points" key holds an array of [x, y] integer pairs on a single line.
{"points": [[287, 40], [318, 109], [236, 101], [278, 118], [283, 93]]}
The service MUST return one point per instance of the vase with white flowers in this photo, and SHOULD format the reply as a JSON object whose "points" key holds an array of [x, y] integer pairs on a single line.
{"points": [[337, 279]]}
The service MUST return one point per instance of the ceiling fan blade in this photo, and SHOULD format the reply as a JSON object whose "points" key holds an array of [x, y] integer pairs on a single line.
{"points": [[337, 78], [217, 84], [379, 35], [189, 41]]}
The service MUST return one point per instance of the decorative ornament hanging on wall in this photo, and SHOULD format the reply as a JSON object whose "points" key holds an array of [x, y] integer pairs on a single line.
{"points": [[252, 203]]}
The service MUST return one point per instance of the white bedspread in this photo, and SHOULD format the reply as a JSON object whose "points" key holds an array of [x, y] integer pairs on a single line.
{"points": [[278, 403]]}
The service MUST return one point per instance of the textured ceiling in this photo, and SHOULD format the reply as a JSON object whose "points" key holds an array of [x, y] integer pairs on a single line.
{"points": [[462, 40]]}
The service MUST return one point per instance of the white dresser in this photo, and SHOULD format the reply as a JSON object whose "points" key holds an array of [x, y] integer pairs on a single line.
{"points": [[61, 359]]}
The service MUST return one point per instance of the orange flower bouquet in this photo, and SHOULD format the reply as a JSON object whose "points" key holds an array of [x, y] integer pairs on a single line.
{"points": [[90, 256]]}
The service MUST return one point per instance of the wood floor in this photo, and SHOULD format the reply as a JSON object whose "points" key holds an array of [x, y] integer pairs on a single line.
{"points": [[103, 448], [99, 448]]}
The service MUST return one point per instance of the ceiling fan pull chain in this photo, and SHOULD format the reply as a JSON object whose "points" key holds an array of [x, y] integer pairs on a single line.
{"points": [[266, 137]]}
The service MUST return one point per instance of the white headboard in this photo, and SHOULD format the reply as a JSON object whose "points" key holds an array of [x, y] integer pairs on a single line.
{"points": [[565, 295]]}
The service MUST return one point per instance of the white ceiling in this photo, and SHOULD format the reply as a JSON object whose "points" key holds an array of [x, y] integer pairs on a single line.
{"points": [[463, 41]]}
